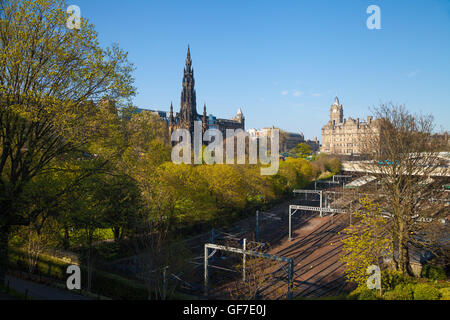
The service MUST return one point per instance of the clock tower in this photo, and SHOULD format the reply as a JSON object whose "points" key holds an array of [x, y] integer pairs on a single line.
{"points": [[336, 112]]}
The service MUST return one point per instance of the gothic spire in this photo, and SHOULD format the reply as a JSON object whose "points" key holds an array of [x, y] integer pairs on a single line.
{"points": [[188, 59], [171, 119], [188, 110], [204, 120]]}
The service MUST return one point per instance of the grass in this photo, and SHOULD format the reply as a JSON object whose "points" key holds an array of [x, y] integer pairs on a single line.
{"points": [[411, 289], [105, 285]]}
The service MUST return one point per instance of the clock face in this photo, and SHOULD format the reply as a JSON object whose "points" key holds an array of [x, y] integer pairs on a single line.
{"points": [[334, 110]]}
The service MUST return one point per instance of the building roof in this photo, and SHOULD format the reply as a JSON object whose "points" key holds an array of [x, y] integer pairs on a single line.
{"points": [[360, 182]]}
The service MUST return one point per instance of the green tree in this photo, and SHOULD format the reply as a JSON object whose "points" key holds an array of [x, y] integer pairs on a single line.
{"points": [[302, 150], [51, 79], [225, 185], [119, 200], [86, 217], [327, 163], [366, 243]]}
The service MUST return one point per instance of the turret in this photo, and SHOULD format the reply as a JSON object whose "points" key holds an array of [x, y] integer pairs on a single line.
{"points": [[240, 117], [204, 120], [171, 119], [336, 112]]}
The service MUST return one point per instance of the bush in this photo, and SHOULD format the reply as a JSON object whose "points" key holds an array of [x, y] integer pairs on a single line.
{"points": [[445, 293], [403, 291], [433, 272], [367, 295], [390, 295], [392, 278], [327, 163], [362, 293], [45, 266], [423, 291]]}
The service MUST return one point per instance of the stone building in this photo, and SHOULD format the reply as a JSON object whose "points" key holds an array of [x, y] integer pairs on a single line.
{"points": [[314, 144], [292, 139], [288, 140], [345, 136], [188, 109]]}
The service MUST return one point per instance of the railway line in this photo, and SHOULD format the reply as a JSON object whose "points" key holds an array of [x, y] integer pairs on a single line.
{"points": [[313, 260], [315, 250]]}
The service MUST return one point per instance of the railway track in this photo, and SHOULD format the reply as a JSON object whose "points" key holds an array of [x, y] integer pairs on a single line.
{"points": [[304, 249], [317, 269]]}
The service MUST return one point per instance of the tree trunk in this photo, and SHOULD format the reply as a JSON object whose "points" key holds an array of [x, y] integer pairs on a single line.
{"points": [[395, 249], [66, 240], [89, 264], [403, 255], [116, 231], [4, 235], [407, 264], [404, 259]]}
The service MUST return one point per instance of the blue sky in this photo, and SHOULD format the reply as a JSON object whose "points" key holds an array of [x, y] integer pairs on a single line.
{"points": [[283, 62]]}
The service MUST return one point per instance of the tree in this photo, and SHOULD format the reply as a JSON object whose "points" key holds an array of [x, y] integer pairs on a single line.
{"points": [[403, 154], [327, 163], [302, 150], [258, 188], [225, 184], [51, 79], [166, 191], [86, 218], [293, 173], [119, 200], [366, 243], [43, 199], [158, 258], [155, 257]]}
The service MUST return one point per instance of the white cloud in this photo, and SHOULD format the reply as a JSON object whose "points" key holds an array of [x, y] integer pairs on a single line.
{"points": [[316, 94], [412, 74], [295, 93]]}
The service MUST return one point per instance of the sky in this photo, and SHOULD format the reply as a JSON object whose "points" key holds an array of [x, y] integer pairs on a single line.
{"points": [[283, 62]]}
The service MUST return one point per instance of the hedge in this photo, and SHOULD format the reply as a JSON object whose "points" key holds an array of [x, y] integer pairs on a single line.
{"points": [[362, 293], [423, 291], [445, 293], [403, 291], [433, 272]]}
